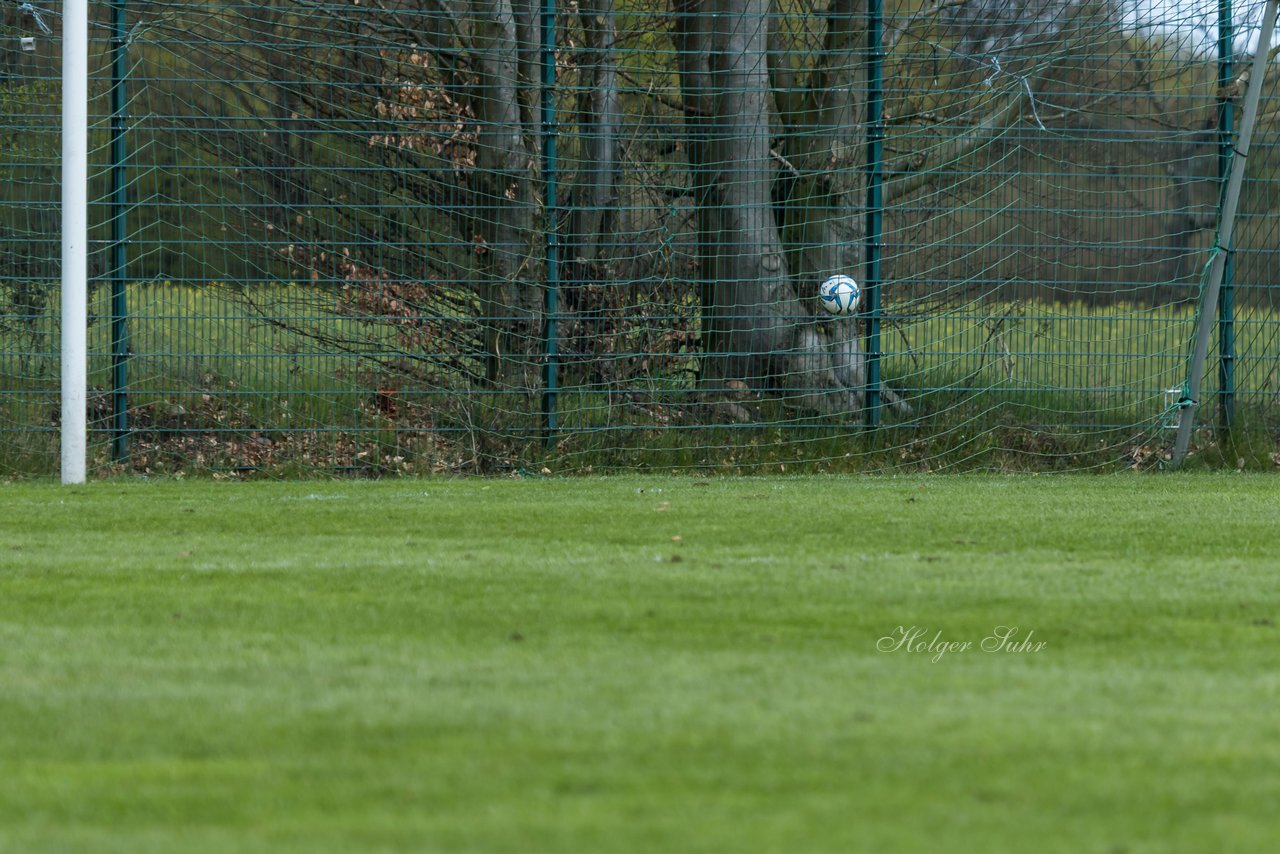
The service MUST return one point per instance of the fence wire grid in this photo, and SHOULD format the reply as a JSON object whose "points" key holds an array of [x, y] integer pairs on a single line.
{"points": [[511, 235]]}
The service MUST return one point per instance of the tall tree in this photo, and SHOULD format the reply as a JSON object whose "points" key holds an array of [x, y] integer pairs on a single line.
{"points": [[502, 188], [759, 328]]}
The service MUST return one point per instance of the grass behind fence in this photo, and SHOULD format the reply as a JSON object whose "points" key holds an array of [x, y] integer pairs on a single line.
{"points": [[1065, 382]]}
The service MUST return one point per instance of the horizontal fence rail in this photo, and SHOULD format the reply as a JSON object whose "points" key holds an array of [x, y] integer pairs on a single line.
{"points": [[516, 236]]}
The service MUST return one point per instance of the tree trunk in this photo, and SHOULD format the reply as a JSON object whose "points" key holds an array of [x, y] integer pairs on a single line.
{"points": [[757, 329], [752, 299], [601, 117], [508, 295], [595, 177], [692, 39], [830, 190]]}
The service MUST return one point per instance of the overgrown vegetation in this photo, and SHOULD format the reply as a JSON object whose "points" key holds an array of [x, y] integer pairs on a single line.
{"points": [[217, 389]]}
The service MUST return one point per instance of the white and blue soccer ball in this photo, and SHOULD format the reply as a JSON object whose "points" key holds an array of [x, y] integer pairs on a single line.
{"points": [[839, 295]]}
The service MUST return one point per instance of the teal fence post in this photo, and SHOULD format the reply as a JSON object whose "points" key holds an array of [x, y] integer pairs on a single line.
{"points": [[1226, 297], [875, 168], [550, 346], [119, 234]]}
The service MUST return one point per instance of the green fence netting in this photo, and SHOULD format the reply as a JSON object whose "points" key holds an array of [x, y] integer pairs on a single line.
{"points": [[385, 236]]}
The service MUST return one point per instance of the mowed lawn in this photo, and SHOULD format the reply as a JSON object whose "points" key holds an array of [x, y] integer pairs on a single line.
{"points": [[642, 664]]}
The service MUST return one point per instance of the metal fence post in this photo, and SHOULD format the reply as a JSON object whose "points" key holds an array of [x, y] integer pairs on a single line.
{"points": [[552, 219], [119, 235], [875, 142], [1226, 297], [1226, 226]]}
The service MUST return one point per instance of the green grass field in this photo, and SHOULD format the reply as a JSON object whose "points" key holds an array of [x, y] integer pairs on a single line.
{"points": [[641, 664]]}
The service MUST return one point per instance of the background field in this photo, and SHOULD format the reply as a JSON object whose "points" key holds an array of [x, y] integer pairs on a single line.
{"points": [[632, 664], [1008, 386]]}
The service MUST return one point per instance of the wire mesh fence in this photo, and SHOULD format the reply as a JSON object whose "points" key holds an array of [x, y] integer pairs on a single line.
{"points": [[497, 235]]}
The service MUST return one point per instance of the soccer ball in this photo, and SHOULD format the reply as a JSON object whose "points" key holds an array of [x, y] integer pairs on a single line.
{"points": [[839, 295]]}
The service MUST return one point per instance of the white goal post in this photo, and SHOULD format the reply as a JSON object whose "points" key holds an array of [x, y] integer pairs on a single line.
{"points": [[75, 236]]}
